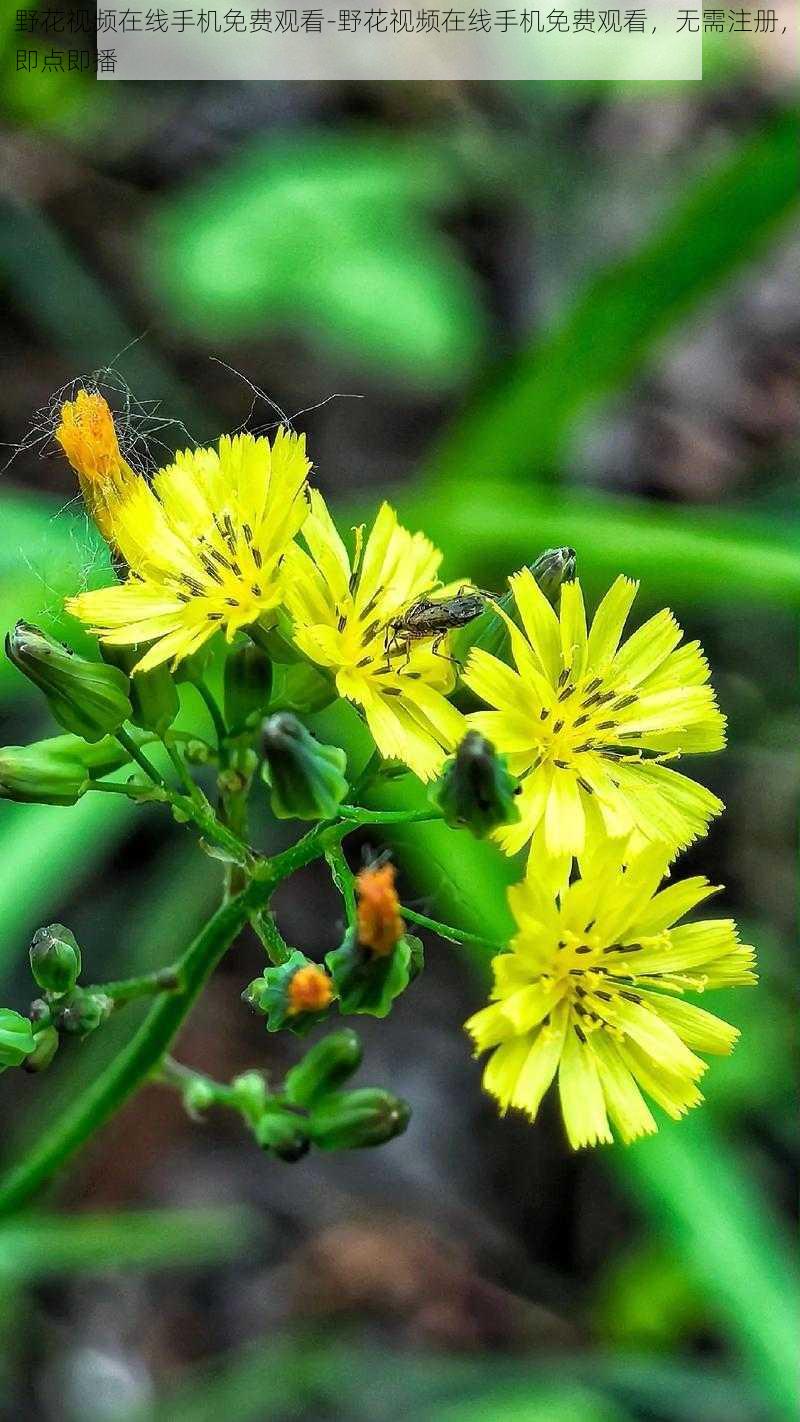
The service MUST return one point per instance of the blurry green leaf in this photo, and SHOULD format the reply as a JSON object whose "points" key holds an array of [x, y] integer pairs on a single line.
{"points": [[520, 427], [328, 235], [35, 1247], [532, 1403], [45, 851], [647, 1300]]}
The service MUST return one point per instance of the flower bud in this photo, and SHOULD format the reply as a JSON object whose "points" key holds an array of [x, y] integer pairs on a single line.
{"points": [[552, 568], [476, 791], [351, 1120], [153, 694], [367, 983], [198, 1095], [84, 1012], [46, 1045], [301, 688], [307, 779], [379, 923], [56, 771], [323, 1068], [249, 1094], [490, 633], [16, 1038], [55, 959], [88, 698], [283, 1133], [296, 994], [248, 683]]}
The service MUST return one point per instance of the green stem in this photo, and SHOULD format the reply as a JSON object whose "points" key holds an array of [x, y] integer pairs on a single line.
{"points": [[387, 817], [452, 935], [128, 989], [265, 927], [220, 729], [344, 880], [181, 769], [128, 743]]}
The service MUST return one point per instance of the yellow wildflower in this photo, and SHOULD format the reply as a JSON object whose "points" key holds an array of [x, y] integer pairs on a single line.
{"points": [[592, 988], [204, 543], [87, 436], [342, 615], [586, 723]]}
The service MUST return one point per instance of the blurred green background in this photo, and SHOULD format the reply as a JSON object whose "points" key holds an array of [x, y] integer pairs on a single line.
{"points": [[532, 315]]}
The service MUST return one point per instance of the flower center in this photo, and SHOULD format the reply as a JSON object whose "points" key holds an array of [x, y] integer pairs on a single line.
{"points": [[583, 719]]}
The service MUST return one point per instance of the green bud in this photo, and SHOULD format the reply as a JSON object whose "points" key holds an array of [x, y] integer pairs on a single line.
{"points": [[351, 1120], [248, 683], [296, 995], [283, 1133], [489, 632], [250, 1094], [198, 1095], [88, 698], [55, 959], [56, 771], [301, 688], [307, 779], [197, 753], [476, 791], [367, 983], [16, 1038], [323, 1068], [153, 694], [193, 668], [84, 1012], [46, 1046]]}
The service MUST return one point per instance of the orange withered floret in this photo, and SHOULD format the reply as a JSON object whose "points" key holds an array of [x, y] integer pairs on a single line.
{"points": [[309, 990], [379, 923], [87, 436]]}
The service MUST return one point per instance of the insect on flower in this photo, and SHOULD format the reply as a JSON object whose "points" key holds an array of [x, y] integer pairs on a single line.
{"points": [[428, 617]]}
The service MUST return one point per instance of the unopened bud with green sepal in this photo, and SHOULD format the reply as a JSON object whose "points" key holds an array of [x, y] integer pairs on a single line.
{"points": [[16, 1038], [283, 1133], [83, 1012], [55, 959], [153, 694], [248, 684], [324, 1068], [307, 779], [353, 1120], [477, 791], [367, 983], [249, 1094], [57, 771], [295, 995], [87, 698], [46, 1045], [551, 570]]}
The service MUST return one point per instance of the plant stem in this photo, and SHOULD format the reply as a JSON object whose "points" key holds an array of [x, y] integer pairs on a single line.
{"points": [[181, 769], [344, 880], [128, 743], [220, 729], [127, 989], [271, 937], [387, 817], [453, 935]]}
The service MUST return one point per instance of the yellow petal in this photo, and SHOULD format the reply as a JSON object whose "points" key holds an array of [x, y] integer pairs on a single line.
{"points": [[581, 1095]]}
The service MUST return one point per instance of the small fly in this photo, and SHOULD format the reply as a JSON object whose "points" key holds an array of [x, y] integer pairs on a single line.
{"points": [[428, 618]]}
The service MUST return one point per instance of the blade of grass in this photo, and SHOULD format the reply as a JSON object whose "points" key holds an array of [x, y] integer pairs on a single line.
{"points": [[522, 423], [43, 1245]]}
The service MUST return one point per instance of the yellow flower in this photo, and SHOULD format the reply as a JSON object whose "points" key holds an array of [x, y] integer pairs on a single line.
{"points": [[587, 723], [592, 988], [205, 544], [87, 436], [342, 617]]}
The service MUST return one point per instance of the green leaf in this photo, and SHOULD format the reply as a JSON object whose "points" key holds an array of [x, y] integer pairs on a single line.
{"points": [[521, 426], [330, 235]]}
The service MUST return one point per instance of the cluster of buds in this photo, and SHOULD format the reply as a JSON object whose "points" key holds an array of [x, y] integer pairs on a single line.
{"points": [[312, 1109]]}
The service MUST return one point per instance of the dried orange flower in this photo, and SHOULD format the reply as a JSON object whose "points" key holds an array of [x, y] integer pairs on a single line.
{"points": [[309, 990], [379, 923], [87, 436]]}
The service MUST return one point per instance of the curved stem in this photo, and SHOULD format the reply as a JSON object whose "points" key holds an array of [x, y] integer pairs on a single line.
{"points": [[452, 935], [128, 743], [220, 729], [344, 879]]}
